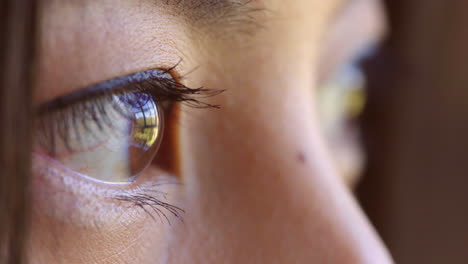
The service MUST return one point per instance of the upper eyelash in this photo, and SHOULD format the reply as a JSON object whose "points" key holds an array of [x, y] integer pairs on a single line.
{"points": [[59, 115], [89, 103], [156, 82]]}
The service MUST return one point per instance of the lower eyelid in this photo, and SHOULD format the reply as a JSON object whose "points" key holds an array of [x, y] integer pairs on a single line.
{"points": [[73, 198], [68, 197]]}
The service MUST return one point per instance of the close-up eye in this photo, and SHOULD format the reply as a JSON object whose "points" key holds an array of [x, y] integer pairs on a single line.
{"points": [[110, 131], [230, 131]]}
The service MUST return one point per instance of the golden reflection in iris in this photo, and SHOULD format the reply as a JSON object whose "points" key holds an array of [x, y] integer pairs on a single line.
{"points": [[146, 134], [147, 127]]}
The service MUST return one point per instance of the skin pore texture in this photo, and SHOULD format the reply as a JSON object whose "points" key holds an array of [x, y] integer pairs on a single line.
{"points": [[256, 182]]}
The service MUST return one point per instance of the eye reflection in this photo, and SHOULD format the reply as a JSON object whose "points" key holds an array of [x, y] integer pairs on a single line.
{"points": [[113, 139], [146, 132], [341, 101]]}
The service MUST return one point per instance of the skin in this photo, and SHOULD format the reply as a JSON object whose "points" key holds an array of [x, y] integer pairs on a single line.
{"points": [[257, 181]]}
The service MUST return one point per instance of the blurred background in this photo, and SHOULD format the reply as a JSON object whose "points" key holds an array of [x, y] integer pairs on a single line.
{"points": [[415, 131]]}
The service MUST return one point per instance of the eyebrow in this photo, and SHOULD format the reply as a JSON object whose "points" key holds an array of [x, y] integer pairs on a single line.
{"points": [[215, 12], [207, 8]]}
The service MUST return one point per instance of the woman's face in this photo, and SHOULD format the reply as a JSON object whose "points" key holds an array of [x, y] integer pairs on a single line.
{"points": [[250, 182]]}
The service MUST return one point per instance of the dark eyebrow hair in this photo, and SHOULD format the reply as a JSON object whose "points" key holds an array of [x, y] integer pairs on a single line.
{"points": [[214, 13], [224, 15], [207, 8]]}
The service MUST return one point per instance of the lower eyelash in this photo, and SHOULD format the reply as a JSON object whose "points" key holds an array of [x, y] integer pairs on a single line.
{"points": [[62, 116], [152, 206]]}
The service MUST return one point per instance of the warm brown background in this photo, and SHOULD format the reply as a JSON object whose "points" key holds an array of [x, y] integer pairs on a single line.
{"points": [[416, 125]]}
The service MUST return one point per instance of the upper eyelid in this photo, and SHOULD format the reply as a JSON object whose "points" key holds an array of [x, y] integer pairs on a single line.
{"points": [[157, 81], [112, 86]]}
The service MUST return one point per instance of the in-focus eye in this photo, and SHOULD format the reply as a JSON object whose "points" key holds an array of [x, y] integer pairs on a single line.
{"points": [[145, 130], [111, 131]]}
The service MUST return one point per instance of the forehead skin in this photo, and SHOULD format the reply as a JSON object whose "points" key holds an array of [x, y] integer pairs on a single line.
{"points": [[115, 37], [247, 198]]}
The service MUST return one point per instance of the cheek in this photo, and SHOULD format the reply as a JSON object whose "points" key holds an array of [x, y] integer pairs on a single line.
{"points": [[244, 165], [55, 242], [73, 220]]}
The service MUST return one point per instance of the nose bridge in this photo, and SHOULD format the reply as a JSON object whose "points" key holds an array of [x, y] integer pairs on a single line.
{"points": [[257, 174]]}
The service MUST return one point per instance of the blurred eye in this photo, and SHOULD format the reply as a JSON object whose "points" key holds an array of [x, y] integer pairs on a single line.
{"points": [[110, 131], [341, 99]]}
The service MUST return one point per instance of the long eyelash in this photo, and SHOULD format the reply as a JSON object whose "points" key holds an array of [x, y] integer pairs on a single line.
{"points": [[171, 90], [158, 83], [62, 115], [152, 206], [146, 199]]}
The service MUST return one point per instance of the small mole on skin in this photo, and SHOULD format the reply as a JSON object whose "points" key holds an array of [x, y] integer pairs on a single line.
{"points": [[301, 157]]}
